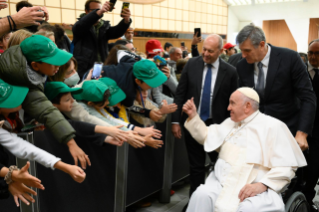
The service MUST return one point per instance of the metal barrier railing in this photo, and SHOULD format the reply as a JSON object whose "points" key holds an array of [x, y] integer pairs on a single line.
{"points": [[165, 196], [121, 172], [35, 207]]}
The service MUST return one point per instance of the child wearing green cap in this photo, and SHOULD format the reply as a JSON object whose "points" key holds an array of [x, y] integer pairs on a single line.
{"points": [[29, 65], [61, 97], [91, 99], [10, 103], [130, 75]]}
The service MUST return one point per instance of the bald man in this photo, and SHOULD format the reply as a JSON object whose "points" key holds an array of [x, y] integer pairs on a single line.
{"points": [[258, 156], [210, 81]]}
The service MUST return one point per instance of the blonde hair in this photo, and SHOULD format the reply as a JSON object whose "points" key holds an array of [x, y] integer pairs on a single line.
{"points": [[18, 36], [45, 33]]}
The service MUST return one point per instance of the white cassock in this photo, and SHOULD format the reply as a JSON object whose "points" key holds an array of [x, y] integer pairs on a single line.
{"points": [[257, 149]]}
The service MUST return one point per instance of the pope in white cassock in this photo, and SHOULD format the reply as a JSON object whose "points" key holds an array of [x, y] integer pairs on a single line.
{"points": [[258, 156]]}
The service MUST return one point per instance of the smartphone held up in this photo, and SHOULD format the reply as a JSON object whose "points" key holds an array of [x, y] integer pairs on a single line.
{"points": [[97, 69], [112, 4], [125, 5]]}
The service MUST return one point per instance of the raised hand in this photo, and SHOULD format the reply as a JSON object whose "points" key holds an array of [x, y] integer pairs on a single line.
{"points": [[77, 174], [22, 192], [167, 109], [126, 15], [28, 16], [149, 130], [24, 177], [196, 40], [156, 115], [135, 140], [189, 108], [113, 141], [154, 143], [78, 154]]}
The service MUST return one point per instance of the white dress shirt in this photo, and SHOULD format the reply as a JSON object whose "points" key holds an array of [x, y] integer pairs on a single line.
{"points": [[265, 63], [311, 71], [215, 67]]}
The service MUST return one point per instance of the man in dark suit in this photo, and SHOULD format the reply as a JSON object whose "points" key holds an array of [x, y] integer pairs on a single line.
{"points": [[210, 81], [312, 170], [234, 59], [281, 80]]}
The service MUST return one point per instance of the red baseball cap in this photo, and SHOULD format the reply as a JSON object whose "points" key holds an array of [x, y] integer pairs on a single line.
{"points": [[153, 47], [228, 46]]}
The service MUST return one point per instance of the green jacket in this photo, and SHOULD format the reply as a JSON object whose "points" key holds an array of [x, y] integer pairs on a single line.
{"points": [[14, 70]]}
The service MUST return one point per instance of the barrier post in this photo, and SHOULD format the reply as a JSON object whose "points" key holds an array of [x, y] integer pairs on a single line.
{"points": [[33, 207], [165, 196], [121, 178]]}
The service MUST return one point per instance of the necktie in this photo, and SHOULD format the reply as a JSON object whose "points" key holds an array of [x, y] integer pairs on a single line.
{"points": [[315, 77], [260, 87], [205, 104]]}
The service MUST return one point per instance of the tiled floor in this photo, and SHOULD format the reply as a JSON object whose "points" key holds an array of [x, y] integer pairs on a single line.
{"points": [[178, 201]]}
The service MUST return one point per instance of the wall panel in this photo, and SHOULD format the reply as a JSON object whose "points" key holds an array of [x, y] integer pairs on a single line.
{"points": [[278, 34], [313, 29]]}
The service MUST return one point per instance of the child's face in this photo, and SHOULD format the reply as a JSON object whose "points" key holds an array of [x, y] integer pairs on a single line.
{"points": [[45, 68], [138, 96], [70, 71], [99, 106], [142, 85], [6, 111], [66, 103]]}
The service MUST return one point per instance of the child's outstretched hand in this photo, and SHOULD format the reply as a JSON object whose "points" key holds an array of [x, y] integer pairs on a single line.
{"points": [[154, 143], [77, 174]]}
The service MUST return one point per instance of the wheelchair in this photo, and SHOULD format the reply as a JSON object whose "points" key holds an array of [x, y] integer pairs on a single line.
{"points": [[295, 201]]}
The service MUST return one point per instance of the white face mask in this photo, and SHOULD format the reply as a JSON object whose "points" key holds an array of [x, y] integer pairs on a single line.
{"points": [[72, 80]]}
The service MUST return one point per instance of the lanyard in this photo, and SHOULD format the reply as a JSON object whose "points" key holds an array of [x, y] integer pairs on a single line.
{"points": [[140, 91]]}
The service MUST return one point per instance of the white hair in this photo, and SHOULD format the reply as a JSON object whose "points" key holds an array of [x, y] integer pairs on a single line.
{"points": [[254, 104]]}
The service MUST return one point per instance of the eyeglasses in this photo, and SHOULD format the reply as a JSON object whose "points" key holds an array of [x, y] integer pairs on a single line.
{"points": [[316, 54], [133, 49]]}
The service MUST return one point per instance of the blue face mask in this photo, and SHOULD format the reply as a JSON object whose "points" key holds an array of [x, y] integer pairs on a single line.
{"points": [[72, 80]]}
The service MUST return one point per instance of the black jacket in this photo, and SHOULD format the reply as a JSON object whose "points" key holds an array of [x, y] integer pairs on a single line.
{"points": [[86, 43], [315, 85], [288, 94], [234, 59], [122, 74], [190, 86]]}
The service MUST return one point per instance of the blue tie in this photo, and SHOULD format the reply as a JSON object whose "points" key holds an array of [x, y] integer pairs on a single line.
{"points": [[205, 104]]}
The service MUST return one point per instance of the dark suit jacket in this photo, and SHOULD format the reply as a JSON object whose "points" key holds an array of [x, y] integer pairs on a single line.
{"points": [[234, 59], [190, 86], [315, 85], [288, 94]]}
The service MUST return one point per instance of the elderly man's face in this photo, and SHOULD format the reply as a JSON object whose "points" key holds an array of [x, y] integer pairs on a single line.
{"points": [[237, 107], [178, 54], [313, 54], [211, 51], [250, 53]]}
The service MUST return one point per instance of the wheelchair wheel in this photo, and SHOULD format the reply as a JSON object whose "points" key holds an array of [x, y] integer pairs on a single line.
{"points": [[297, 203]]}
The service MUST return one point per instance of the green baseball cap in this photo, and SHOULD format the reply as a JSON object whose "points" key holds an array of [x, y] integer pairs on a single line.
{"points": [[147, 71], [38, 48], [11, 96], [93, 91], [53, 89], [117, 95]]}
